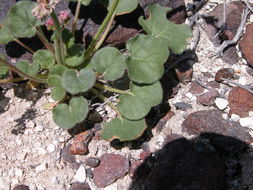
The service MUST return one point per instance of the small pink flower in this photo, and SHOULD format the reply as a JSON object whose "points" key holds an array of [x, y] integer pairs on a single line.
{"points": [[64, 15], [49, 22]]}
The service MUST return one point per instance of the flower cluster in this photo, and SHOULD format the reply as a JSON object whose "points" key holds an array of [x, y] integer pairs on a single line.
{"points": [[63, 19], [44, 8]]}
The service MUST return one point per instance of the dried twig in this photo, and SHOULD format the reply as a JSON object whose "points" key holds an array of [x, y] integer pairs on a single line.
{"points": [[237, 36]]}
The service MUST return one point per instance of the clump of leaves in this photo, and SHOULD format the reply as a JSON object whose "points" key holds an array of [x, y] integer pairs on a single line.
{"points": [[73, 72]]}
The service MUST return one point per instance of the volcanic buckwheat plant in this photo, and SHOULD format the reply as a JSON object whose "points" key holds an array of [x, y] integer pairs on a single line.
{"points": [[77, 75]]}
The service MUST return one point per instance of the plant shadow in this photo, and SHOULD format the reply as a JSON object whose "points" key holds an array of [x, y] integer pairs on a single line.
{"points": [[208, 162]]}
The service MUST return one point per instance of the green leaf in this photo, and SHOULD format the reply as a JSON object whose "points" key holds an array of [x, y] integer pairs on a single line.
{"points": [[57, 70], [20, 21], [58, 93], [175, 35], [67, 116], [44, 58], [110, 62], [54, 80], [84, 2], [30, 69], [5, 35], [124, 6], [137, 105], [3, 69], [147, 55], [124, 130], [74, 55], [67, 38], [75, 82]]}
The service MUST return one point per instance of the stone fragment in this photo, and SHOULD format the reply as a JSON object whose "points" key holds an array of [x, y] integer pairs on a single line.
{"points": [[246, 121], [196, 88], [39, 128], [161, 123], [80, 143], [18, 172], [21, 187], [144, 155], [246, 44], [80, 186], [80, 175], [235, 117], [226, 73], [51, 148], [207, 98], [92, 162], [211, 121], [182, 106], [221, 103], [240, 102], [40, 168], [111, 168]]}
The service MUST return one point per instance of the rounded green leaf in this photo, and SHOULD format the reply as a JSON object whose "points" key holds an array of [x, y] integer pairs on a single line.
{"points": [[137, 105], [57, 70], [124, 6], [30, 69], [54, 80], [3, 69], [75, 82], [44, 58], [74, 56], [20, 20], [147, 56], [157, 25], [5, 35], [110, 62], [123, 129], [67, 116], [58, 93]]}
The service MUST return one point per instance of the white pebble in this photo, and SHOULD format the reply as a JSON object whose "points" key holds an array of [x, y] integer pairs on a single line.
{"points": [[221, 103], [189, 95], [251, 18], [245, 122], [40, 168], [39, 128], [30, 124], [235, 117], [41, 151], [242, 81], [51, 148], [18, 172], [251, 113], [80, 175], [225, 116]]}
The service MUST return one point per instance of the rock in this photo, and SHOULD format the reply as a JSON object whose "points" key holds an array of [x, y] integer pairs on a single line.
{"points": [[80, 186], [178, 13], [80, 175], [111, 168], [211, 121], [246, 122], [196, 88], [21, 187], [221, 103], [18, 172], [40, 168], [240, 102], [235, 117], [51, 148], [226, 73], [144, 155], [182, 106], [92, 162], [134, 167], [39, 128], [161, 123], [189, 95], [207, 98], [246, 44], [80, 143], [214, 22]]}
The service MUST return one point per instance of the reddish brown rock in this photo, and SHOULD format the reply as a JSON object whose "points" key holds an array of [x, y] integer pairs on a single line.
{"points": [[207, 98], [246, 44], [92, 162], [211, 121], [226, 73], [240, 102], [213, 84], [135, 165], [80, 186], [161, 123], [196, 88], [80, 143], [111, 168], [21, 187], [144, 155]]}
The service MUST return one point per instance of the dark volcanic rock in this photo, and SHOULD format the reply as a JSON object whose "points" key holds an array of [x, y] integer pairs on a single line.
{"points": [[111, 168], [21, 187], [240, 102], [92, 162]]}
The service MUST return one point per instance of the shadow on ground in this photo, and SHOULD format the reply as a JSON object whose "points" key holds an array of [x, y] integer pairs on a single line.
{"points": [[208, 162]]}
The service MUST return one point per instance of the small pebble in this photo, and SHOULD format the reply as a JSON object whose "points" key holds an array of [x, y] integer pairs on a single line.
{"points": [[221, 103], [80, 175], [40, 168], [245, 122], [235, 117], [92, 162], [51, 148], [242, 81], [189, 95], [225, 116], [18, 172], [251, 113], [30, 124], [39, 128]]}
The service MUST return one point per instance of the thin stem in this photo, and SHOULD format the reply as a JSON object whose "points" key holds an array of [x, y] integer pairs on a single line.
{"points": [[43, 39], [101, 29], [57, 39], [104, 87], [21, 73], [107, 30], [25, 46], [76, 17], [103, 98], [18, 79]]}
